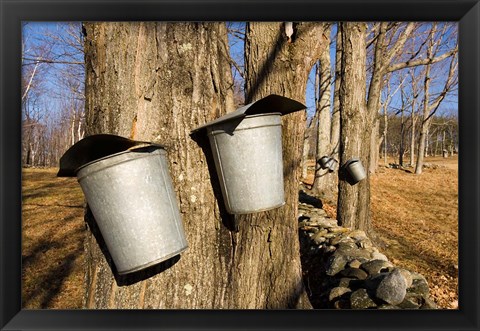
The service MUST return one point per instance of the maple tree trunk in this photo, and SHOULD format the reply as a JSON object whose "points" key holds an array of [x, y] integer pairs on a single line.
{"points": [[325, 182], [375, 142], [274, 65], [356, 128]]}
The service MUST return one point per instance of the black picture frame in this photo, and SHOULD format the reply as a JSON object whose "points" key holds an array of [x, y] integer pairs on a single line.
{"points": [[13, 12]]}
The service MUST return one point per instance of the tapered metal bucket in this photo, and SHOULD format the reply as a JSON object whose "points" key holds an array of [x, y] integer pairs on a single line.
{"points": [[132, 199], [248, 159], [356, 170], [332, 165], [325, 162]]}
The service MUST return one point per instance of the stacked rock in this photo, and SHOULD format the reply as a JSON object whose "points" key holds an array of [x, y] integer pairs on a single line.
{"points": [[355, 274]]}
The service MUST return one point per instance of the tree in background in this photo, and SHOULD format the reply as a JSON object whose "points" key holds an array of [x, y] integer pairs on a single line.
{"points": [[326, 123], [430, 106], [353, 208], [53, 75], [389, 40]]}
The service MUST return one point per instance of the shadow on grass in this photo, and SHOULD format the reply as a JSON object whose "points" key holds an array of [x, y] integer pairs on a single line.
{"points": [[48, 285], [426, 259], [40, 223], [39, 192]]}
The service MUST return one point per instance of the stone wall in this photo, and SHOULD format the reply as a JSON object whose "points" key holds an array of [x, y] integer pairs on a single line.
{"points": [[344, 270]]}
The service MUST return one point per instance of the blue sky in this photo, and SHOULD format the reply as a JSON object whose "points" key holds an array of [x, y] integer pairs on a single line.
{"points": [[40, 38]]}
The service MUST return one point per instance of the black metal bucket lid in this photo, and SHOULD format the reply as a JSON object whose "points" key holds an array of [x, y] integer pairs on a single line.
{"points": [[96, 147]]}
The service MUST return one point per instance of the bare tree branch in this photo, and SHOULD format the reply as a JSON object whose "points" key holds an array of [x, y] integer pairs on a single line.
{"points": [[43, 60], [29, 85], [419, 62]]}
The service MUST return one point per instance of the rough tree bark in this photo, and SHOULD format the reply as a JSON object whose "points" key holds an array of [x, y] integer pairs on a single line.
{"points": [[375, 143], [356, 127], [335, 128], [156, 82], [324, 184], [412, 132], [277, 65], [353, 208], [309, 146]]}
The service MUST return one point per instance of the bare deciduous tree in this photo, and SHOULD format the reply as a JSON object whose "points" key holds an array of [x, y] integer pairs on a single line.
{"points": [[388, 45], [52, 74], [430, 106], [324, 184]]}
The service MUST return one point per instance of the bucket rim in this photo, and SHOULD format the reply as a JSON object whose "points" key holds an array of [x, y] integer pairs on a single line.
{"points": [[264, 114], [130, 150], [250, 116], [352, 160], [211, 130], [154, 262]]}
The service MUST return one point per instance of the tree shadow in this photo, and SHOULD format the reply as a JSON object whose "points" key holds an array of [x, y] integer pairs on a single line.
{"points": [[228, 220], [57, 276], [38, 192], [41, 247], [314, 273], [72, 217], [269, 61], [130, 278], [51, 284], [294, 298], [303, 197]]}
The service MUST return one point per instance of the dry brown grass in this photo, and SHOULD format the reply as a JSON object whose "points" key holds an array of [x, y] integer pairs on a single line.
{"points": [[52, 241], [416, 217]]}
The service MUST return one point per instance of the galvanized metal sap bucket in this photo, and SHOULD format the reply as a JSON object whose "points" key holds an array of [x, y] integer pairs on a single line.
{"points": [[325, 162], [131, 196], [329, 163], [249, 162], [355, 169], [247, 151]]}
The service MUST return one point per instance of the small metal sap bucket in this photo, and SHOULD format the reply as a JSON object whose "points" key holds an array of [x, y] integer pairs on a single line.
{"points": [[329, 163], [356, 170], [132, 199], [325, 162], [332, 165], [248, 158]]}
